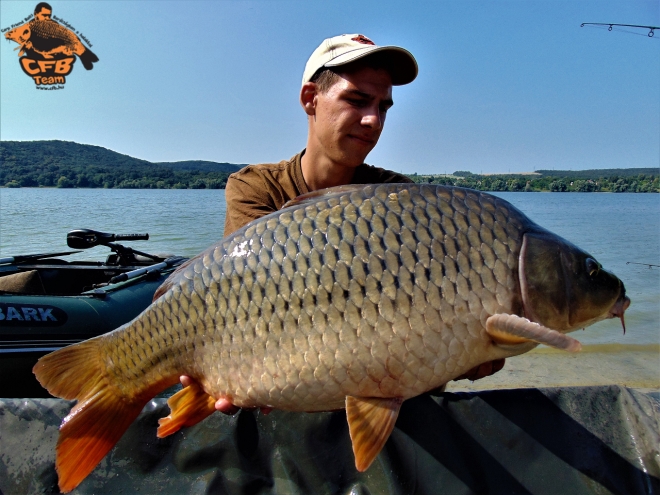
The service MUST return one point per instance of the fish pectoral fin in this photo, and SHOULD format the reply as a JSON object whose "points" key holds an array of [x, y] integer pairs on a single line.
{"points": [[512, 330], [189, 406], [370, 422]]}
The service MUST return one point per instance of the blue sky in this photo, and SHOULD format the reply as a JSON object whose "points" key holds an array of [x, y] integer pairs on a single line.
{"points": [[504, 86]]}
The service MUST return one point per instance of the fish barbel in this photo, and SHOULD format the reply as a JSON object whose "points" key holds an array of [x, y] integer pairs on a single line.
{"points": [[356, 297]]}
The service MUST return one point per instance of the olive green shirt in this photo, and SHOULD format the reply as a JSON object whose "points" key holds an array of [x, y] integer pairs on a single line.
{"points": [[257, 190]]}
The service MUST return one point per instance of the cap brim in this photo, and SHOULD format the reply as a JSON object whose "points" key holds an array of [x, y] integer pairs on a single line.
{"points": [[400, 63]]}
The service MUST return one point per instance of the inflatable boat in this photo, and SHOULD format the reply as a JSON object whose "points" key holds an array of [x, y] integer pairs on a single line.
{"points": [[48, 302]]}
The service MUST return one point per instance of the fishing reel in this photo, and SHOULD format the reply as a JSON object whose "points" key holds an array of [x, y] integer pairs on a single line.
{"points": [[122, 255]]}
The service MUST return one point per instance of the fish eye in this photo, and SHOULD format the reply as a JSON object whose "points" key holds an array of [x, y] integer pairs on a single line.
{"points": [[593, 267]]}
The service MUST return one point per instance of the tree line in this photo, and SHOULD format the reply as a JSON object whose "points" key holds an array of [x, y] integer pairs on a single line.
{"points": [[98, 177], [635, 183], [66, 164]]}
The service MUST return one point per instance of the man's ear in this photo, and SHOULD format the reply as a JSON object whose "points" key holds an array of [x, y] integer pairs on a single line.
{"points": [[308, 98]]}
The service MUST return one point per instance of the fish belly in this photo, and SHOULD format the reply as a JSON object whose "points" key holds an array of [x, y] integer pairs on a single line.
{"points": [[377, 291]]}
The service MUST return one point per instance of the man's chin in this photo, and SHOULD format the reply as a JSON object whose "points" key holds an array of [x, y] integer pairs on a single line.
{"points": [[356, 155], [353, 162]]}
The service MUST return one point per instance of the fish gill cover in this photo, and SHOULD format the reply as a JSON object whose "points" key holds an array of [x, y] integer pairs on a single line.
{"points": [[48, 47]]}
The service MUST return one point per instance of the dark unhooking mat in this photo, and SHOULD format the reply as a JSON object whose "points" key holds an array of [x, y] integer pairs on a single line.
{"points": [[590, 440]]}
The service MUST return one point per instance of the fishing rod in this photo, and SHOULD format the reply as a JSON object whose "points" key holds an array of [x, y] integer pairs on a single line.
{"points": [[33, 257], [610, 24], [644, 264]]}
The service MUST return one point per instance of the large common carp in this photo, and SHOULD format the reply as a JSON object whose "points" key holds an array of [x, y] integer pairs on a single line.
{"points": [[354, 297]]}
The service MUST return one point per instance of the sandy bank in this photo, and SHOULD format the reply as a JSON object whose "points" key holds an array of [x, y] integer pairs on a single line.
{"points": [[543, 367]]}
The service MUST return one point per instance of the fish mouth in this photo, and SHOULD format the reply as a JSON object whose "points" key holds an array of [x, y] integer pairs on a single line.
{"points": [[619, 308]]}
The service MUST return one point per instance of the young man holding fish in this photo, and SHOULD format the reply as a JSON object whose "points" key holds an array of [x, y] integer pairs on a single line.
{"points": [[363, 326], [346, 93]]}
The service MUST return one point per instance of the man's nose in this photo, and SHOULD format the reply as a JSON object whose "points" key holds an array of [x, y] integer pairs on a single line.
{"points": [[372, 118]]}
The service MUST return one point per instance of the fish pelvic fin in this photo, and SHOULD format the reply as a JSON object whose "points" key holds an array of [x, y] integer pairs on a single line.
{"points": [[189, 406], [507, 329], [370, 423], [97, 421]]}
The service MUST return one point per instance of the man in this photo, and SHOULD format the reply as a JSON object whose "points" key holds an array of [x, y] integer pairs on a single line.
{"points": [[43, 11], [346, 93]]}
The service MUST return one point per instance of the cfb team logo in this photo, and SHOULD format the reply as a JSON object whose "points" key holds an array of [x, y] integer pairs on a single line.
{"points": [[48, 47]]}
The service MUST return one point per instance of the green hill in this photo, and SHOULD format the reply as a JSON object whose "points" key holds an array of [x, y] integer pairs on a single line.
{"points": [[201, 166], [68, 164]]}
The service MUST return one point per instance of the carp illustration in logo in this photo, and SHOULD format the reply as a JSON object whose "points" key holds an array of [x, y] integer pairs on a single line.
{"points": [[49, 48]]}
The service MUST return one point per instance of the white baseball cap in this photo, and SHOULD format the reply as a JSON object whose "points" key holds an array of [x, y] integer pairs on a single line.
{"points": [[347, 48]]}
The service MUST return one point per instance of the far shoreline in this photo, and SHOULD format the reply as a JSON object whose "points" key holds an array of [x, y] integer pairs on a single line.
{"points": [[222, 188]]}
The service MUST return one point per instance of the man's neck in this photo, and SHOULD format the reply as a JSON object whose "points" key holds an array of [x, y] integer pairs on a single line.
{"points": [[319, 172]]}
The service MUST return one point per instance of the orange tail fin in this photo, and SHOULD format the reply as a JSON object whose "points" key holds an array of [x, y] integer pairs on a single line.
{"points": [[101, 416]]}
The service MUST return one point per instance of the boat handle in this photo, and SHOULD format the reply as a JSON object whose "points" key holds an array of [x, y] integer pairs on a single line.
{"points": [[147, 269]]}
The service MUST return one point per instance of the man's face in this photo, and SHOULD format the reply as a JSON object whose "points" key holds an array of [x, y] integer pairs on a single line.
{"points": [[350, 115], [43, 14]]}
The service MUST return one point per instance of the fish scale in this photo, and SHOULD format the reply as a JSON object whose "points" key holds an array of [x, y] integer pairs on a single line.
{"points": [[298, 330]]}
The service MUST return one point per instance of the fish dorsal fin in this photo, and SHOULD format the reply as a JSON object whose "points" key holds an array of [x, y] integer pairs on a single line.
{"points": [[512, 330], [370, 422], [310, 197], [189, 406]]}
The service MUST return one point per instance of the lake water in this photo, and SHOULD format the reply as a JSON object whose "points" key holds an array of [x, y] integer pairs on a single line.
{"points": [[615, 228]]}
